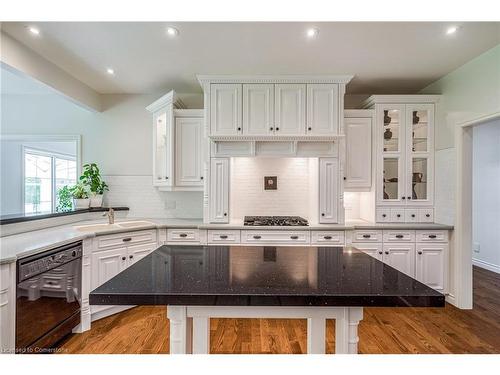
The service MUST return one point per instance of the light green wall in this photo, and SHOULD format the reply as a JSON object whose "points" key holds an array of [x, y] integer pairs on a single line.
{"points": [[469, 92]]}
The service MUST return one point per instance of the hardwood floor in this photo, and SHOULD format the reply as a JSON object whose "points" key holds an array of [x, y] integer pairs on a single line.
{"points": [[383, 330]]}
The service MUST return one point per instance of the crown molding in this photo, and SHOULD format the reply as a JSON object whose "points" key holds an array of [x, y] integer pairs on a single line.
{"points": [[302, 78], [167, 99]]}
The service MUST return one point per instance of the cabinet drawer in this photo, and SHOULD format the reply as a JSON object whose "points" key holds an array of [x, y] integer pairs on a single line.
{"points": [[367, 236], [373, 249], [327, 238], [432, 236], [223, 236], [411, 215], [399, 236], [183, 235], [426, 215], [275, 237], [397, 215], [114, 240], [383, 215]]}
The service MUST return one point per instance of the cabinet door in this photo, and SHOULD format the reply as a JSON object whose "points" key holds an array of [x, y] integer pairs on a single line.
{"points": [[419, 154], [7, 307], [219, 190], [290, 109], [430, 265], [328, 190], [162, 148], [188, 151], [358, 162], [258, 109], [322, 109], [190, 267], [137, 252], [391, 154], [372, 249], [225, 109], [107, 264], [400, 257]]}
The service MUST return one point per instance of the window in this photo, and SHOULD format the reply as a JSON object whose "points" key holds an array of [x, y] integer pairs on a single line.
{"points": [[45, 173]]}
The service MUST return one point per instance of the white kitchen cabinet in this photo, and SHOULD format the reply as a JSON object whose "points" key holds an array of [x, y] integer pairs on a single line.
{"points": [[137, 252], [322, 109], [373, 249], [189, 151], [225, 109], [162, 147], [107, 264], [358, 155], [219, 190], [400, 256], [275, 237], [290, 109], [431, 261], [7, 307], [405, 153], [258, 109], [328, 190]]}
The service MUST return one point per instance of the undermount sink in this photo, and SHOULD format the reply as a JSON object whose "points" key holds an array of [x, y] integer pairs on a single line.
{"points": [[133, 224], [104, 226], [96, 227]]}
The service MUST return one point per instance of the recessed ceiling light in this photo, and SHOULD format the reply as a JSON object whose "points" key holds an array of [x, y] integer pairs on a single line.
{"points": [[110, 71], [172, 31], [34, 30], [312, 32], [452, 30]]}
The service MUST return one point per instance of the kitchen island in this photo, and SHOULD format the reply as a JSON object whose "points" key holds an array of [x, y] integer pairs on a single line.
{"points": [[314, 283]]}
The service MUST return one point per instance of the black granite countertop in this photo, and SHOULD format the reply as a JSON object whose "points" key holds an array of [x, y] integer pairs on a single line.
{"points": [[263, 276]]}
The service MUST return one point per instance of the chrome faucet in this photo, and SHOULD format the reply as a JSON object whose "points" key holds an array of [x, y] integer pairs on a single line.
{"points": [[111, 216]]}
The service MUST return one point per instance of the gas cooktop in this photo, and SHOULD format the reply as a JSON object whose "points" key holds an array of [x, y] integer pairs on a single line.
{"points": [[291, 221]]}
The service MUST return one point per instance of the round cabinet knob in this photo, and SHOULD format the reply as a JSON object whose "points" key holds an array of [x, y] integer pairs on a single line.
{"points": [[73, 253], [271, 128], [387, 253], [239, 129], [398, 215], [403, 198], [345, 178], [409, 198], [380, 252], [225, 213], [277, 129], [201, 178], [309, 128], [124, 258], [384, 215], [322, 214], [427, 215], [131, 257], [166, 178], [412, 215], [200, 263], [419, 253]]}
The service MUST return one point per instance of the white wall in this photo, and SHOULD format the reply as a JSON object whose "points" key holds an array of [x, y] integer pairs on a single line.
{"points": [[469, 92], [486, 195], [247, 194], [119, 140]]}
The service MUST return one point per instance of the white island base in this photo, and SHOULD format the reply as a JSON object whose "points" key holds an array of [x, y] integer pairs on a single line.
{"points": [[190, 325]]}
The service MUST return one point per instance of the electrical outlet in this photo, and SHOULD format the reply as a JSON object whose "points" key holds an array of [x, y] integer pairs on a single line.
{"points": [[476, 247], [170, 205]]}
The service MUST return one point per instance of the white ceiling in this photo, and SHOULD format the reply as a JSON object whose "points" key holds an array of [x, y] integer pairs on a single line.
{"points": [[384, 57]]}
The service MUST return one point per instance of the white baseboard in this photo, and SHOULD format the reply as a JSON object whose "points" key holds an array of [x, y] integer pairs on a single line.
{"points": [[486, 265], [110, 310]]}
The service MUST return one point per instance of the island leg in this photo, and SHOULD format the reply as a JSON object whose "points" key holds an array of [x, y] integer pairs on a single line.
{"points": [[201, 335], [181, 330], [346, 330], [316, 334]]}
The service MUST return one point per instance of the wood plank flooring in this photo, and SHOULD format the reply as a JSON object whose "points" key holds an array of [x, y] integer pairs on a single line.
{"points": [[383, 330]]}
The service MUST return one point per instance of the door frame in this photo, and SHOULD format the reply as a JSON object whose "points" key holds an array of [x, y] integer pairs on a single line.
{"points": [[462, 262]]}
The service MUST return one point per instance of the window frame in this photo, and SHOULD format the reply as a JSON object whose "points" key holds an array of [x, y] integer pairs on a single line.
{"points": [[53, 156]]}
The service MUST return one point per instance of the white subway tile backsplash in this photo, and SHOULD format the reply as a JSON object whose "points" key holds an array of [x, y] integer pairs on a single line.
{"points": [[247, 194], [144, 200]]}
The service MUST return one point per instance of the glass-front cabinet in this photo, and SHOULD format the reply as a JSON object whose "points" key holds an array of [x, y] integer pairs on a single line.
{"points": [[405, 154]]}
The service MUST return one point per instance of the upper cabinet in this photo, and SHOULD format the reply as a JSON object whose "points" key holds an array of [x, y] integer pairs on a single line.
{"points": [[405, 154], [358, 150], [225, 109], [322, 109], [267, 106], [258, 109], [178, 147], [290, 109]]}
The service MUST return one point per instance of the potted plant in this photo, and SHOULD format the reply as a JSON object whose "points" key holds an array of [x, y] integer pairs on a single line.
{"points": [[91, 176], [80, 193], [65, 199]]}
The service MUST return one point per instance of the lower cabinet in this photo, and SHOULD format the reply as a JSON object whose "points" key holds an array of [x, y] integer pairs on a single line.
{"points": [[7, 307], [400, 257], [431, 264]]}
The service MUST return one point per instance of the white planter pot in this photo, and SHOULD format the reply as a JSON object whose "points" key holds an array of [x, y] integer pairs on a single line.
{"points": [[96, 200], [81, 204]]}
